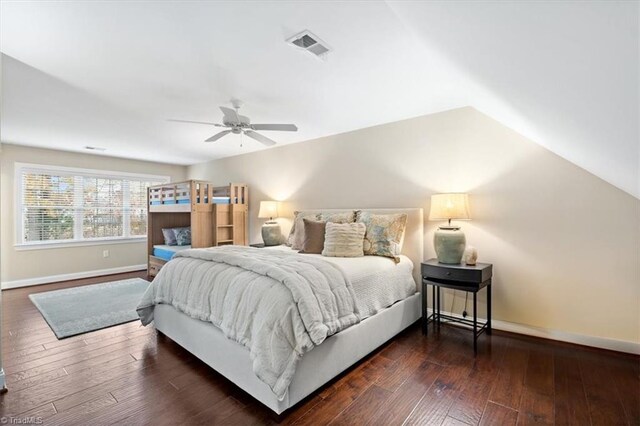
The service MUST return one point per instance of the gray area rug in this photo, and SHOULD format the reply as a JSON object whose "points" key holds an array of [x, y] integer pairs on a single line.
{"points": [[78, 310]]}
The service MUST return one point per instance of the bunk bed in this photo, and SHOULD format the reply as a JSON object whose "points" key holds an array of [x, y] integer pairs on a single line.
{"points": [[217, 216]]}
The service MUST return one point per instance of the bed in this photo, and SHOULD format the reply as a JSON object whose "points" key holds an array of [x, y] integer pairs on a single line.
{"points": [[339, 351]]}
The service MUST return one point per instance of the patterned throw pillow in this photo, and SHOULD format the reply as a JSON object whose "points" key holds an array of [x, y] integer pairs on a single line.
{"points": [[343, 239], [385, 233], [296, 236], [183, 236], [169, 237], [339, 217]]}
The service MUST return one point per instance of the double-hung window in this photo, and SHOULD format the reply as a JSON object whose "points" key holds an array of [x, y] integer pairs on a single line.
{"points": [[62, 205]]}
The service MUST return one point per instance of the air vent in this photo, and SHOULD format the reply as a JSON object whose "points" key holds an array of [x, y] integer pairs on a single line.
{"points": [[311, 43]]}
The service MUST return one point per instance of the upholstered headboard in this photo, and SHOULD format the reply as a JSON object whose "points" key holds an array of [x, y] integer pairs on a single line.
{"points": [[413, 246]]}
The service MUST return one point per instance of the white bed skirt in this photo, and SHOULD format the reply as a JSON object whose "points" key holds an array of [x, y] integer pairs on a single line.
{"points": [[316, 368]]}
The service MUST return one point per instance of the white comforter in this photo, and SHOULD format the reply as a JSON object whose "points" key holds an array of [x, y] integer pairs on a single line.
{"points": [[278, 304]]}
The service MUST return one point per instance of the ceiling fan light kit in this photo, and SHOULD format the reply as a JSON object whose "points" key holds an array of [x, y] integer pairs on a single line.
{"points": [[240, 124]]}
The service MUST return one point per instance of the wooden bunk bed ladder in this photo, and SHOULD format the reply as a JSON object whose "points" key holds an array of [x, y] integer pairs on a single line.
{"points": [[230, 220]]}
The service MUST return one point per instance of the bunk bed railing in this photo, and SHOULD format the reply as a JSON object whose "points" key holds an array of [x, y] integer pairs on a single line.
{"points": [[197, 192]]}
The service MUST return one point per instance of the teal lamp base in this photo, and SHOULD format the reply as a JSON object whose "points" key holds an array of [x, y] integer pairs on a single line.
{"points": [[271, 234], [449, 242]]}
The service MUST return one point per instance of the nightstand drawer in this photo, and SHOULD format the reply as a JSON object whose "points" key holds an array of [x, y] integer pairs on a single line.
{"points": [[455, 273]]}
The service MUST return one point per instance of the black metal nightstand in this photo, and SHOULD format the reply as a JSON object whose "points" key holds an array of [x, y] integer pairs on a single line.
{"points": [[257, 245], [457, 277]]}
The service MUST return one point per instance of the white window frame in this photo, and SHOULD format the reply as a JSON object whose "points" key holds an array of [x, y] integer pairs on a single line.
{"points": [[20, 168]]}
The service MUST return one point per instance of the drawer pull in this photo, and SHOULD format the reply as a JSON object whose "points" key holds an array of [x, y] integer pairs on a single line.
{"points": [[448, 273]]}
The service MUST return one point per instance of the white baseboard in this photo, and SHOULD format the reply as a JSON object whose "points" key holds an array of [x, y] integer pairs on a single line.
{"points": [[529, 330], [562, 336], [73, 276]]}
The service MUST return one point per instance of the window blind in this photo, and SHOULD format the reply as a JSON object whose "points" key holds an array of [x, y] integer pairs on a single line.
{"points": [[67, 206], [137, 211], [102, 214], [47, 207]]}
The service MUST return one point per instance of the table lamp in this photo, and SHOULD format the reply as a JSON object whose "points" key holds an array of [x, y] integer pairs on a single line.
{"points": [[449, 241], [271, 233]]}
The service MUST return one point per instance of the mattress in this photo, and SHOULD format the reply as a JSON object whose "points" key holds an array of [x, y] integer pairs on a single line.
{"points": [[159, 203], [165, 252], [216, 200], [378, 282]]}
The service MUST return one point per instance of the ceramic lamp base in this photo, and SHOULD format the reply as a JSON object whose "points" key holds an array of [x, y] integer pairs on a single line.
{"points": [[271, 234], [449, 242]]}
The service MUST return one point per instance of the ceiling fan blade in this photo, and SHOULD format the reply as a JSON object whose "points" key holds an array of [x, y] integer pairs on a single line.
{"points": [[230, 115], [196, 122], [257, 136], [280, 127], [218, 136]]}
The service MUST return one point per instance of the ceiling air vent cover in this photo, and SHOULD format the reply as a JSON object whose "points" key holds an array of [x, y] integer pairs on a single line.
{"points": [[311, 43]]}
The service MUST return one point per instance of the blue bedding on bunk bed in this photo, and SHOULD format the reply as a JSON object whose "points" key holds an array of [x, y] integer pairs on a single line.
{"points": [[158, 203], [216, 200], [165, 252]]}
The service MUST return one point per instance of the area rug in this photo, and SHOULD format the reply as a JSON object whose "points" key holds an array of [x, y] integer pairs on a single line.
{"points": [[78, 310]]}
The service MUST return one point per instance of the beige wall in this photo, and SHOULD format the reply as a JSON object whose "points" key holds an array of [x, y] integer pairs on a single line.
{"points": [[564, 243], [32, 264]]}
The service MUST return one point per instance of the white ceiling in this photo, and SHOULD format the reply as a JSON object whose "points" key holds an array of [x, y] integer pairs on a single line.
{"points": [[563, 73], [109, 74]]}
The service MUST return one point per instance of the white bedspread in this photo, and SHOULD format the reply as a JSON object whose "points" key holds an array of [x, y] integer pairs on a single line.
{"points": [[278, 304], [378, 282]]}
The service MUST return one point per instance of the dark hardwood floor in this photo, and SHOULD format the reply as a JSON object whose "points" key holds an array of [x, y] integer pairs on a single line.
{"points": [[130, 375]]}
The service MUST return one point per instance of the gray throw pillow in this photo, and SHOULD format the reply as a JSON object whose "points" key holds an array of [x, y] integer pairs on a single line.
{"points": [[183, 236], [169, 237], [296, 236], [313, 236]]}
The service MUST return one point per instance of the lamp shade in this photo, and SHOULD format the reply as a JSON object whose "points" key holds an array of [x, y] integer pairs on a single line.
{"points": [[268, 209], [449, 206]]}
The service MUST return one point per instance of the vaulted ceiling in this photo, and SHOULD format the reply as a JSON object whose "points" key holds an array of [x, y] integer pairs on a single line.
{"points": [[110, 74]]}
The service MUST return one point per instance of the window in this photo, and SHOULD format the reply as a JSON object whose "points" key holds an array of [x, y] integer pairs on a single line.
{"points": [[64, 205]]}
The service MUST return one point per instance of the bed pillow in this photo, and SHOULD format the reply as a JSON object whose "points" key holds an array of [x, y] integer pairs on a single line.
{"points": [[339, 217], [169, 237], [296, 236], [344, 239], [313, 236], [385, 233], [183, 236]]}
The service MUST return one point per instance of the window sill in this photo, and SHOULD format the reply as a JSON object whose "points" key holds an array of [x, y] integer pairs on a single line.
{"points": [[69, 244]]}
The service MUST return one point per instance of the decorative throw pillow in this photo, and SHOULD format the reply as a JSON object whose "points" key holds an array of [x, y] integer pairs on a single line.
{"points": [[344, 239], [183, 236], [296, 236], [169, 237], [313, 236], [385, 233], [339, 217]]}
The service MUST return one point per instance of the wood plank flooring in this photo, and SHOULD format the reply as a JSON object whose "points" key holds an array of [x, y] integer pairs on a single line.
{"points": [[132, 376]]}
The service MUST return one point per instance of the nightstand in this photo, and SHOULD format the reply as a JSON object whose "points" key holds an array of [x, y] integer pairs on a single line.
{"points": [[257, 245], [457, 277]]}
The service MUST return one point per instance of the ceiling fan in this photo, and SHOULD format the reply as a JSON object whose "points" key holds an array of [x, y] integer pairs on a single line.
{"points": [[240, 124]]}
